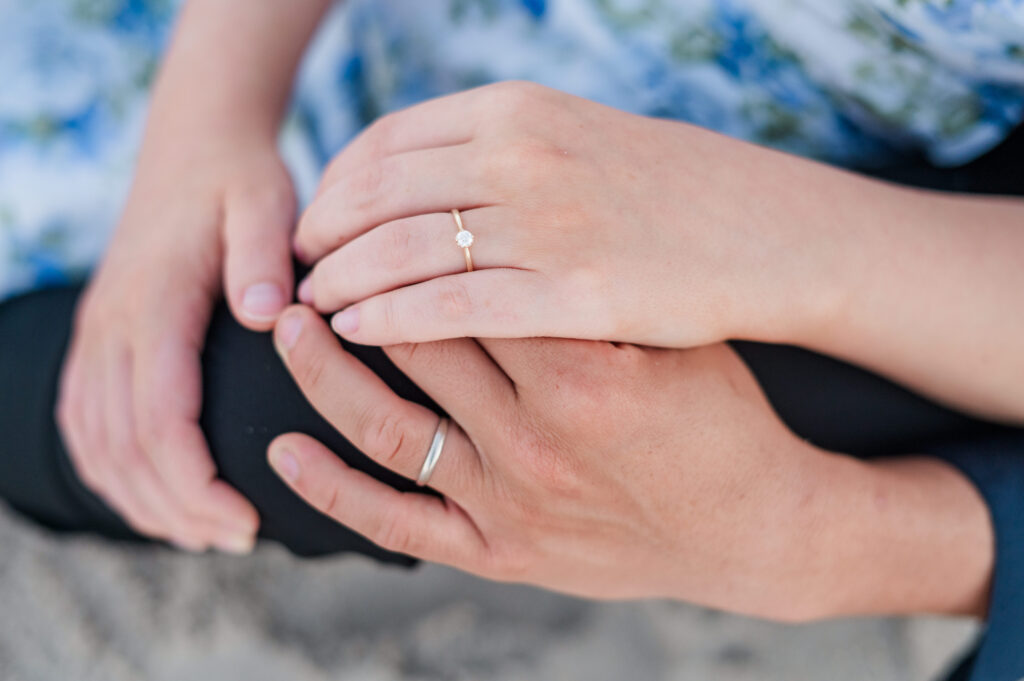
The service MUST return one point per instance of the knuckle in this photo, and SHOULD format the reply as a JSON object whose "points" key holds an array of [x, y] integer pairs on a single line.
{"points": [[387, 315], [510, 98], [396, 252], [523, 162], [381, 133], [393, 534], [546, 466], [403, 352], [454, 301], [332, 503], [368, 184], [309, 368], [384, 436], [271, 194]]}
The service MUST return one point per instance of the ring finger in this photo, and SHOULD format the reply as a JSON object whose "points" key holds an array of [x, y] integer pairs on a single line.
{"points": [[394, 432], [407, 251]]}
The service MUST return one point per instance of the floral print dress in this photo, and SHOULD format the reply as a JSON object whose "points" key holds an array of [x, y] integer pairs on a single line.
{"points": [[851, 82]]}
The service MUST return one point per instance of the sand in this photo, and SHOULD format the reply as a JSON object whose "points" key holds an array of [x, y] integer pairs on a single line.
{"points": [[80, 609]]}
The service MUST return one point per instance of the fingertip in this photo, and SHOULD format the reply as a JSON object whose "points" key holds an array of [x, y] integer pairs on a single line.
{"points": [[346, 322], [305, 292], [237, 545], [188, 546], [239, 517], [285, 464], [300, 253], [288, 328], [284, 454], [263, 301]]}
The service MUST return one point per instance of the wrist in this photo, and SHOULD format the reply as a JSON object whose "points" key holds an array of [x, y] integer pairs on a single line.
{"points": [[204, 160], [899, 536], [230, 66], [809, 253]]}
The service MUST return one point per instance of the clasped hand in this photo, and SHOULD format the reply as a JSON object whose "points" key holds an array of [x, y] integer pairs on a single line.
{"points": [[604, 470]]}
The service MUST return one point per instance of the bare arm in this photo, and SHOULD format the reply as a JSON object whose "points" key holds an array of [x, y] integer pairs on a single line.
{"points": [[231, 64], [930, 292]]}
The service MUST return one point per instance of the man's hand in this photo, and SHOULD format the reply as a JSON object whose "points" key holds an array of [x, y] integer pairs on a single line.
{"points": [[614, 471]]}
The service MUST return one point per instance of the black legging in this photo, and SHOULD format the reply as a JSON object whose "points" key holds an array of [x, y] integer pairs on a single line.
{"points": [[249, 398]]}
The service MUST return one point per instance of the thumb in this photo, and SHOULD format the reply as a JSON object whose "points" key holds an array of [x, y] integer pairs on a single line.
{"points": [[258, 277]]}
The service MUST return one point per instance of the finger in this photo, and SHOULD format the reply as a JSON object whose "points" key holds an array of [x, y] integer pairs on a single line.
{"points": [[534, 362], [72, 418], [392, 431], [415, 524], [167, 389], [426, 181], [220, 514], [439, 122], [257, 268], [94, 454], [149, 495], [126, 467], [405, 251], [462, 378], [492, 303]]}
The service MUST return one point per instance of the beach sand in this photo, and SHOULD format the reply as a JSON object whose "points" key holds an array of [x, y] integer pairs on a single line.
{"points": [[80, 609]]}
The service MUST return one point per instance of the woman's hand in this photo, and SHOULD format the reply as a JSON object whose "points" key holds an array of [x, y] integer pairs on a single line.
{"points": [[617, 471], [131, 389], [593, 223], [211, 212], [589, 223]]}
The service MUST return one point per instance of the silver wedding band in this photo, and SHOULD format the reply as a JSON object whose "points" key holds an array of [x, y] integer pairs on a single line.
{"points": [[434, 453]]}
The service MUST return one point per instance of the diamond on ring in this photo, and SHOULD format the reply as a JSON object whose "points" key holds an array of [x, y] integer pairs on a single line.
{"points": [[464, 238]]}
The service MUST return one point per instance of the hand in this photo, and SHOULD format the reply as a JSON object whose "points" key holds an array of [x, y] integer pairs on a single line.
{"points": [[589, 223], [595, 469], [131, 388]]}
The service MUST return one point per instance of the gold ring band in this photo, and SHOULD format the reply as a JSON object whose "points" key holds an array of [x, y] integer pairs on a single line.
{"points": [[464, 238]]}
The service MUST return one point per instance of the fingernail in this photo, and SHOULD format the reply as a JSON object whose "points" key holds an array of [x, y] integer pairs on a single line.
{"points": [[238, 545], [263, 302], [285, 464], [288, 330], [187, 546], [346, 321], [306, 291]]}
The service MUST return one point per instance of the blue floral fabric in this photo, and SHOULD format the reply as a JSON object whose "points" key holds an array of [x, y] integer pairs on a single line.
{"points": [[851, 82]]}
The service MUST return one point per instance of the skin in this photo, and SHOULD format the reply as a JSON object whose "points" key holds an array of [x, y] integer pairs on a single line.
{"points": [[598, 224], [211, 212], [614, 471]]}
